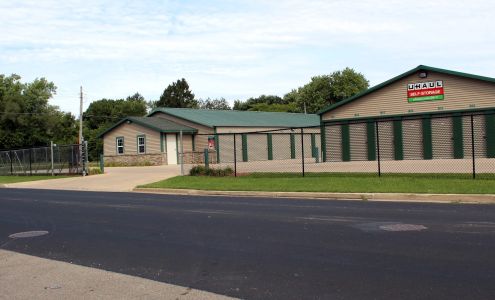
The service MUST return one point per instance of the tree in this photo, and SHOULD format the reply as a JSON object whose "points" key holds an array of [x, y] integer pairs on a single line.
{"points": [[26, 117], [219, 104], [325, 90], [177, 94], [257, 103]]}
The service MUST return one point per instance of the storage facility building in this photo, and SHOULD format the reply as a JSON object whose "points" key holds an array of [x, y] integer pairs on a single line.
{"points": [[425, 113], [155, 139]]}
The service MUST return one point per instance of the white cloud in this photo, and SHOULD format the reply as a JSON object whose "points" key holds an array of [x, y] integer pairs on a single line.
{"points": [[236, 48]]}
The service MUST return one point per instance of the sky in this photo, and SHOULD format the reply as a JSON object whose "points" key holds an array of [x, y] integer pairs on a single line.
{"points": [[235, 49]]}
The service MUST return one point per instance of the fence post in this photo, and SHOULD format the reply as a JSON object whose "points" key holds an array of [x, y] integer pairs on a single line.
{"points": [[30, 162], [302, 151], [51, 155], [235, 156], [102, 163], [378, 149], [472, 147], [11, 163], [181, 156], [207, 158]]}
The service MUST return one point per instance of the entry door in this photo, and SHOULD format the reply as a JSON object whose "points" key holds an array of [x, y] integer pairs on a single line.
{"points": [[171, 149]]}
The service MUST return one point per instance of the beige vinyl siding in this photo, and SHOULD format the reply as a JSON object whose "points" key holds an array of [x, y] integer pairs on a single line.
{"points": [[333, 138], [460, 93], [358, 141], [266, 129], [442, 138], [412, 133], [386, 136], [130, 133]]}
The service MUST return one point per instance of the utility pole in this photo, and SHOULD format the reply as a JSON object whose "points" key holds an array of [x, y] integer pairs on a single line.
{"points": [[81, 116]]}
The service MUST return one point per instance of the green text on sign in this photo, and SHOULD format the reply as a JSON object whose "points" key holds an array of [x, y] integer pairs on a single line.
{"points": [[426, 98]]}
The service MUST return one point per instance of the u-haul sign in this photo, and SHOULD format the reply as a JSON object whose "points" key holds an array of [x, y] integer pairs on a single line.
{"points": [[425, 91]]}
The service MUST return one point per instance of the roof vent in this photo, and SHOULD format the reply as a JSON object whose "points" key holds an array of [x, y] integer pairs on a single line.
{"points": [[423, 74]]}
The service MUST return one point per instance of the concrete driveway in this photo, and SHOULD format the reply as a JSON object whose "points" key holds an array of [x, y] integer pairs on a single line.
{"points": [[122, 179]]}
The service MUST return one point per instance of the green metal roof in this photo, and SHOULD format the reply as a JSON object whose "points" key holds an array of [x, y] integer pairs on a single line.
{"points": [[399, 77], [157, 124], [236, 118]]}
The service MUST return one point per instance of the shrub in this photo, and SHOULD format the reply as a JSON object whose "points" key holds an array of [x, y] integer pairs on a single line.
{"points": [[94, 171], [200, 170], [197, 171]]}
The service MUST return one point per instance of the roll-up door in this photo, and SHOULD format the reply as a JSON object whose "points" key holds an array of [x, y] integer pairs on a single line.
{"points": [[412, 138], [479, 136], [358, 141], [442, 137], [386, 136], [226, 148], [333, 139], [281, 145], [257, 147]]}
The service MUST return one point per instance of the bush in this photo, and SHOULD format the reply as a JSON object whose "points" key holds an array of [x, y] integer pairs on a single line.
{"points": [[94, 171], [200, 170]]}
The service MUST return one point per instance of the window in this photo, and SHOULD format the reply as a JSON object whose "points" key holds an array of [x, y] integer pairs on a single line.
{"points": [[120, 145], [141, 143]]}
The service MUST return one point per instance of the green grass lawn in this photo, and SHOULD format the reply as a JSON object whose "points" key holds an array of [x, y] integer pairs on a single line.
{"points": [[14, 179], [328, 182]]}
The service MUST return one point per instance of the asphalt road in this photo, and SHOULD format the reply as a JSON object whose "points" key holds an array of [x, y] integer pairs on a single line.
{"points": [[264, 248]]}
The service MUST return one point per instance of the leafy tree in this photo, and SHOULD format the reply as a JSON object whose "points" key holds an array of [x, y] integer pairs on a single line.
{"points": [[254, 103], [177, 94], [324, 90], [219, 104], [26, 118]]}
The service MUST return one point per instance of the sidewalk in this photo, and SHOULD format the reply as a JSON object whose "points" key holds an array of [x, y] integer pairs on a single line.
{"points": [[398, 197], [28, 277]]}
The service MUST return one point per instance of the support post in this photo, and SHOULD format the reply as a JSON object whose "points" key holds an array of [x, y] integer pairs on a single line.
{"points": [[30, 162], [269, 143], [181, 156], [235, 156], [102, 163], [378, 149], [302, 151], [51, 156], [207, 159], [11, 163], [472, 147]]}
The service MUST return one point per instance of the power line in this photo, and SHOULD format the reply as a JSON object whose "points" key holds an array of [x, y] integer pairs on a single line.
{"points": [[43, 113]]}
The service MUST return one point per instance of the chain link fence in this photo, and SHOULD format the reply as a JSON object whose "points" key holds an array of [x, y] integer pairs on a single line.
{"points": [[50, 160], [461, 144]]}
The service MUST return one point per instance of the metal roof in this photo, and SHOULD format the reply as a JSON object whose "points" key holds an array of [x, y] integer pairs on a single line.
{"points": [[401, 76], [236, 118], [157, 124]]}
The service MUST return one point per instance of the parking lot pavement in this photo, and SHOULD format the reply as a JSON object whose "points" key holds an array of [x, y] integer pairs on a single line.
{"points": [[121, 179]]}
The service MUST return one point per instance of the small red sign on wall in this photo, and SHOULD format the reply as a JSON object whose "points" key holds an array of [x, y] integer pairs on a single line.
{"points": [[211, 142]]}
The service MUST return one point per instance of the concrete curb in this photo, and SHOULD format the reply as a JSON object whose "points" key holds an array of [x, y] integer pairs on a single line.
{"points": [[399, 197]]}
